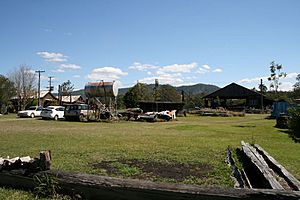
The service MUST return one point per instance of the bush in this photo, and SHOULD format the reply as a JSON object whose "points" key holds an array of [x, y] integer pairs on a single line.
{"points": [[294, 121]]}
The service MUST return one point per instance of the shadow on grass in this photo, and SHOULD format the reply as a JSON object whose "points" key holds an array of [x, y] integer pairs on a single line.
{"points": [[291, 135], [245, 126]]}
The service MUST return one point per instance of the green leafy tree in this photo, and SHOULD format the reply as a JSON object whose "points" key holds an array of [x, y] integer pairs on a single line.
{"points": [[297, 84], [262, 88], [193, 100], [276, 75], [294, 121], [137, 93], [67, 88], [168, 93], [296, 91], [7, 91]]}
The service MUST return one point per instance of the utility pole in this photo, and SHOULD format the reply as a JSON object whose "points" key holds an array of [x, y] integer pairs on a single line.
{"points": [[261, 96], [39, 86], [50, 86]]}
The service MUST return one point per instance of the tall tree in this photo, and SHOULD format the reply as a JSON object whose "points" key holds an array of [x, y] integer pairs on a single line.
{"points": [[24, 80], [67, 89], [297, 84], [7, 91], [137, 93], [169, 93], [276, 75], [296, 92]]}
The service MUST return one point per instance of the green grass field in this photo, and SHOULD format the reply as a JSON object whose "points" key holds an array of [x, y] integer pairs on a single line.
{"points": [[133, 149]]}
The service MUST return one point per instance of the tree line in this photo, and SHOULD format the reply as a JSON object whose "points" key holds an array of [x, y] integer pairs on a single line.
{"points": [[20, 86]]}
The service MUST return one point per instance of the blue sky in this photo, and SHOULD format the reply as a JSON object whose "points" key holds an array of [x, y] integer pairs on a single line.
{"points": [[179, 42]]}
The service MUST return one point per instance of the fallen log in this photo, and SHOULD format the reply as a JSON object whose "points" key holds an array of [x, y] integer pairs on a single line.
{"points": [[288, 177], [102, 187], [261, 165]]}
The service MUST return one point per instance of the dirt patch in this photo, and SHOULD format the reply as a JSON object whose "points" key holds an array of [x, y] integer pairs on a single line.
{"points": [[153, 169]]}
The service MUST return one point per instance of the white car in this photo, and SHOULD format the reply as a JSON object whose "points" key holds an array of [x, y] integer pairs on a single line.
{"points": [[32, 111], [53, 112]]}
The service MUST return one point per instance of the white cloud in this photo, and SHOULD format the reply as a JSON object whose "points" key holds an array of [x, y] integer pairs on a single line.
{"points": [[202, 71], [52, 57], [142, 67], [253, 80], [206, 66], [184, 68], [286, 86], [69, 66], [292, 75], [172, 79], [76, 76], [106, 74], [286, 82], [58, 71], [44, 77], [217, 70]]}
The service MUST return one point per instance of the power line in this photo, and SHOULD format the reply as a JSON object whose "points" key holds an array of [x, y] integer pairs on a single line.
{"points": [[39, 86]]}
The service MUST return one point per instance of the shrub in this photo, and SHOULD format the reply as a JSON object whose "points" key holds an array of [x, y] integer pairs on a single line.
{"points": [[294, 121]]}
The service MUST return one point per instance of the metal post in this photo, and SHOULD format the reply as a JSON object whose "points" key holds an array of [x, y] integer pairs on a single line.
{"points": [[39, 86]]}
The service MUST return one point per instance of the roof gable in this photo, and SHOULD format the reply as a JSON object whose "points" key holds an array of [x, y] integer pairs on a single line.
{"points": [[233, 91]]}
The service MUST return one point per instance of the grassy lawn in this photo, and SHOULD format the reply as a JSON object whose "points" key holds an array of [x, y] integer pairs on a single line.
{"points": [[133, 149]]}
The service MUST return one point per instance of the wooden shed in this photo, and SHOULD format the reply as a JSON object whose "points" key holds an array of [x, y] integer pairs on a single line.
{"points": [[157, 106], [234, 91]]}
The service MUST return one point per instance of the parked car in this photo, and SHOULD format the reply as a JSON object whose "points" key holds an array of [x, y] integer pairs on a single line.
{"points": [[76, 111], [32, 111], [53, 112]]}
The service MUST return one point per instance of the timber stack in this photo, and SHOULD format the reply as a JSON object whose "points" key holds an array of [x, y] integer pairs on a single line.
{"points": [[25, 165], [260, 170]]}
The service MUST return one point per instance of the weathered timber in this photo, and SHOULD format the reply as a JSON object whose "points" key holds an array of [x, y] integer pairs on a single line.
{"points": [[102, 187], [27, 164], [45, 159], [261, 165], [236, 174], [246, 179], [288, 177]]}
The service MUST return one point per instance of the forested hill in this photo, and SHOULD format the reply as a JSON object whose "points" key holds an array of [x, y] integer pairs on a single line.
{"points": [[190, 89], [198, 88]]}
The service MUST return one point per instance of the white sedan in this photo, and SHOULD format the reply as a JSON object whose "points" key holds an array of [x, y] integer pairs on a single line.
{"points": [[32, 111], [53, 112]]}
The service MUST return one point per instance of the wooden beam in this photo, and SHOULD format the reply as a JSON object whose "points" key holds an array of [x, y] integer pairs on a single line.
{"points": [[288, 177], [101, 187], [261, 165]]}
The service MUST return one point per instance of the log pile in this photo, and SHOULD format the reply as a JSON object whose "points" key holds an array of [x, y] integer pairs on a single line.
{"points": [[264, 171], [25, 165]]}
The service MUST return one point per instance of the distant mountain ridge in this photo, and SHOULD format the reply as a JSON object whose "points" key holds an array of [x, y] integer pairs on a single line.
{"points": [[190, 89]]}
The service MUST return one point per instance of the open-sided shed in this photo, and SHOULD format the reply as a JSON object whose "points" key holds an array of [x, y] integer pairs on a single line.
{"points": [[235, 91], [157, 106]]}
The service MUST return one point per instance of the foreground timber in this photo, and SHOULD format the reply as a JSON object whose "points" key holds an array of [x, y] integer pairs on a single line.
{"points": [[102, 187]]}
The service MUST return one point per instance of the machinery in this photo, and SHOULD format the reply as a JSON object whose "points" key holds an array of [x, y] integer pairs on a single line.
{"points": [[101, 99]]}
